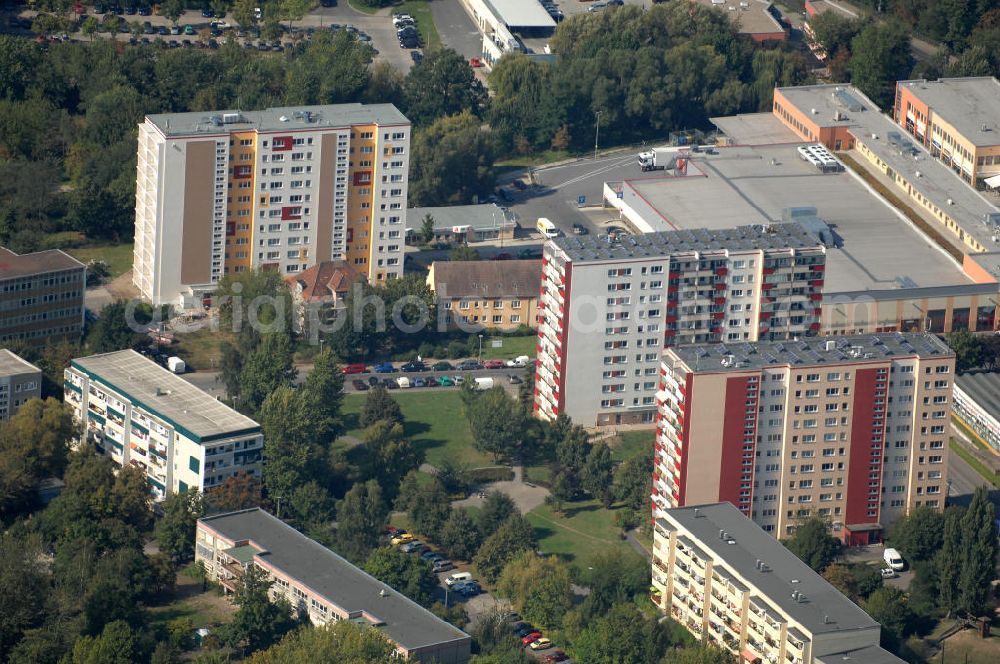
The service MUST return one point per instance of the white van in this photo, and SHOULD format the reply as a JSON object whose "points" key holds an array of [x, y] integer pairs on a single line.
{"points": [[403, 382], [894, 560], [458, 577], [547, 228]]}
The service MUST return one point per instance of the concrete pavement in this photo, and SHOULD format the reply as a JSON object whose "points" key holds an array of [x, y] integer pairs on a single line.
{"points": [[456, 29]]}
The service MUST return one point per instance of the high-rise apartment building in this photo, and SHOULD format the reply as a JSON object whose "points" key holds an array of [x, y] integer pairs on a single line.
{"points": [[607, 310], [733, 586], [134, 411], [41, 297], [853, 428], [20, 381], [283, 188]]}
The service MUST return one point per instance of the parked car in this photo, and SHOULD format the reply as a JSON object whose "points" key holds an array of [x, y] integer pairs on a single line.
{"points": [[458, 380], [519, 362], [162, 30], [373, 381], [430, 555], [458, 577], [494, 364], [411, 367], [444, 381], [429, 381], [359, 385], [416, 56], [401, 538], [403, 382], [555, 656], [540, 644], [597, 6], [354, 369], [390, 384], [443, 565], [442, 366], [175, 30], [531, 637], [475, 62], [419, 382], [468, 365], [523, 629], [893, 559], [410, 546], [467, 589], [385, 367], [579, 229], [888, 573]]}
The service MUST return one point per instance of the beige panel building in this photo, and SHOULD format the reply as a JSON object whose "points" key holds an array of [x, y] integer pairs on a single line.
{"points": [[284, 188], [500, 295], [729, 583], [20, 381], [854, 429], [317, 581]]}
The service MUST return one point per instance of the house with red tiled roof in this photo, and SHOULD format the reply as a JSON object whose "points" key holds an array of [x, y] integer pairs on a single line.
{"points": [[323, 288]]}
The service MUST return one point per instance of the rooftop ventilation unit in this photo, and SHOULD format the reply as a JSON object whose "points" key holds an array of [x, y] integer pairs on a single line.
{"points": [[231, 118]]}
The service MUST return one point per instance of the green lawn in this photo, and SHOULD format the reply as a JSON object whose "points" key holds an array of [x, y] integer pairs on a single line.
{"points": [[360, 6], [200, 348], [117, 256], [628, 444], [582, 532], [204, 609], [435, 424], [511, 348], [536, 159]]}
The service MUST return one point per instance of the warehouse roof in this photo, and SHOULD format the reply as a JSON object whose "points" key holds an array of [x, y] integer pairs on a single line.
{"points": [[327, 574], [13, 265], [716, 358], [983, 388], [971, 105], [753, 17], [487, 279], [12, 364], [285, 118], [193, 412], [521, 13], [823, 610]]}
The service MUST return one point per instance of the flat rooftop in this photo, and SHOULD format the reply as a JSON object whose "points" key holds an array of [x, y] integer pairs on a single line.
{"points": [[13, 265], [341, 583], [967, 104], [651, 245], [755, 129], [809, 351], [191, 411], [485, 217], [877, 248], [283, 118], [753, 16], [983, 388], [521, 14], [12, 364], [785, 571], [903, 154], [867, 655], [818, 7]]}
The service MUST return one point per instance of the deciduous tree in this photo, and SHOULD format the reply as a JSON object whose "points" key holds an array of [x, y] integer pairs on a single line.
{"points": [[410, 575], [176, 529], [380, 406], [514, 536], [335, 643], [813, 543], [259, 622], [496, 423], [539, 587], [497, 508], [460, 538], [361, 516]]}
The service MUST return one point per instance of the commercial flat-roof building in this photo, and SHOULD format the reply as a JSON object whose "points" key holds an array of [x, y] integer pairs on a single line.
{"points": [[461, 223], [958, 121], [136, 412], [316, 580], [854, 429], [20, 381], [732, 585], [500, 295], [283, 188], [608, 309], [505, 23], [757, 19], [41, 297], [977, 404]]}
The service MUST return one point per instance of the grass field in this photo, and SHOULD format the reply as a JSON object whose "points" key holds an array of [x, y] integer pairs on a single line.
{"points": [[200, 349], [967, 648], [204, 609], [583, 531], [117, 256], [435, 424], [511, 348], [628, 444]]}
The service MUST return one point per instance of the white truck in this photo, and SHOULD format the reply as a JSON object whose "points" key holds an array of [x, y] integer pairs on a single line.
{"points": [[484, 383], [660, 159], [547, 228], [518, 362], [176, 365]]}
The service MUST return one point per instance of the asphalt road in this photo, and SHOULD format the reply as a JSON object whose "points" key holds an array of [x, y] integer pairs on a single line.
{"points": [[456, 29]]}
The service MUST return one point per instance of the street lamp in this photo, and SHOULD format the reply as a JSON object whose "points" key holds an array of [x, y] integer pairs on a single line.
{"points": [[597, 133], [480, 348]]}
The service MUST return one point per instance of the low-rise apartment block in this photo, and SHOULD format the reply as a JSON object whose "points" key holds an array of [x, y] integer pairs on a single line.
{"points": [[282, 188], [20, 381], [41, 297], [854, 429], [328, 588], [607, 310], [134, 411], [730, 584], [500, 295]]}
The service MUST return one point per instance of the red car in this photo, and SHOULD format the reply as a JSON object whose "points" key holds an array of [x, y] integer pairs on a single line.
{"points": [[355, 369], [494, 364], [557, 656], [475, 62], [530, 638]]}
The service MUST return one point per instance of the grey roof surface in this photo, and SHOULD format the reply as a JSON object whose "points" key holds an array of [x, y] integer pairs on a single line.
{"points": [[823, 6], [327, 574], [485, 217], [166, 394], [868, 655], [752, 544], [488, 279], [12, 364], [754, 19], [878, 250], [983, 388], [809, 351], [903, 154], [521, 13], [755, 129], [321, 117], [965, 103], [13, 265], [651, 245]]}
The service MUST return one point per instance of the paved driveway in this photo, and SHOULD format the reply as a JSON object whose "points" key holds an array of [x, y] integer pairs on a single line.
{"points": [[526, 496], [455, 28]]}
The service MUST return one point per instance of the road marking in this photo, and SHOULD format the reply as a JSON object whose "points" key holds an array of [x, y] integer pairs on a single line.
{"points": [[604, 169]]}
